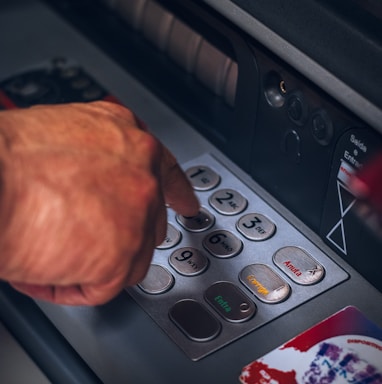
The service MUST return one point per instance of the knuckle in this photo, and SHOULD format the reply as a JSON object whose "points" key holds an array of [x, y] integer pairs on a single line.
{"points": [[112, 110], [150, 145], [147, 190]]}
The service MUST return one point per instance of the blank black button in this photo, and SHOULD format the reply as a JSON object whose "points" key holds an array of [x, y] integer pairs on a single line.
{"points": [[297, 109], [194, 320], [322, 127]]}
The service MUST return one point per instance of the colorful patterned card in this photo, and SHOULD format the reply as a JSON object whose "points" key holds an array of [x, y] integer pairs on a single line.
{"points": [[344, 348]]}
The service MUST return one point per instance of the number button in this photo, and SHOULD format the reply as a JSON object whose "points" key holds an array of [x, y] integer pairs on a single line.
{"points": [[222, 244], [188, 261], [173, 237], [202, 178], [158, 280], [228, 202], [199, 223], [256, 227]]}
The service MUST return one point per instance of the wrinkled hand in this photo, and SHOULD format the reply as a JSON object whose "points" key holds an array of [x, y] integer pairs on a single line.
{"points": [[82, 205]]}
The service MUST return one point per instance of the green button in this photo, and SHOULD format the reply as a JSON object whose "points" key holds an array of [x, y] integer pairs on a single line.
{"points": [[230, 302]]}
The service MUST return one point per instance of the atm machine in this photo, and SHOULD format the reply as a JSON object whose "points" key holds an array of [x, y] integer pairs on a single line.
{"points": [[271, 108]]}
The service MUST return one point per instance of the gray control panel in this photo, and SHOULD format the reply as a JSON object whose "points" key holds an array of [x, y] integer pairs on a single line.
{"points": [[234, 267]]}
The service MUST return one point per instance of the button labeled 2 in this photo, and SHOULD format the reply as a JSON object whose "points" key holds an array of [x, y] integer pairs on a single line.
{"points": [[228, 202]]}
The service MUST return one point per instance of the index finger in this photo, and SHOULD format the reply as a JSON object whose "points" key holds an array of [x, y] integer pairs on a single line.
{"points": [[177, 189]]}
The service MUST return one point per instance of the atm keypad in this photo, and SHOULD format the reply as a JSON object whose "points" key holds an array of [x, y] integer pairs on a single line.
{"points": [[234, 267]]}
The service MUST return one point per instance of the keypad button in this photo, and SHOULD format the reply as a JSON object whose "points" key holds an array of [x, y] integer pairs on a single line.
{"points": [[158, 280], [194, 320], [299, 265], [188, 261], [228, 202], [199, 223], [81, 82], [230, 302], [222, 244], [92, 93], [264, 283], [256, 227], [69, 72], [173, 237], [202, 178]]}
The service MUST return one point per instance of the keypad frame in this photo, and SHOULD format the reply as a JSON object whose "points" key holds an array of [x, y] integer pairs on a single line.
{"points": [[193, 287]]}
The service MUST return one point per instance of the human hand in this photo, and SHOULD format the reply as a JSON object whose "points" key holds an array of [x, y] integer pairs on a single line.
{"points": [[83, 193]]}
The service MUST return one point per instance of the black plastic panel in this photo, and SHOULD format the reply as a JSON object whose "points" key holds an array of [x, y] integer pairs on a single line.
{"points": [[341, 225], [340, 35]]}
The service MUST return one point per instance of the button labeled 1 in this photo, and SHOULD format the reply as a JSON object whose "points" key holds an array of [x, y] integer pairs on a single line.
{"points": [[202, 178]]}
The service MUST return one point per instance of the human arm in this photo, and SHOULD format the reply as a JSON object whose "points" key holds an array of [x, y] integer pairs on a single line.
{"points": [[82, 204]]}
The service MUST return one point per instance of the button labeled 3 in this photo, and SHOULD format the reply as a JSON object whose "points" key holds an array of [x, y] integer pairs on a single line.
{"points": [[256, 227]]}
